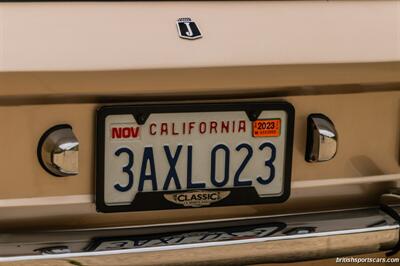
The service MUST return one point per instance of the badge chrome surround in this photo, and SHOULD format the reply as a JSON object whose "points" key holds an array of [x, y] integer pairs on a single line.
{"points": [[196, 198], [187, 29]]}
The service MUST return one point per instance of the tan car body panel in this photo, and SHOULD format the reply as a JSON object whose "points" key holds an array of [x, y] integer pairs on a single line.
{"points": [[362, 154], [112, 35], [280, 64], [107, 86], [333, 57], [360, 142]]}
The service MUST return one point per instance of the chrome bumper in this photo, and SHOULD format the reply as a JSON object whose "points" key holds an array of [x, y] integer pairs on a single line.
{"points": [[236, 241]]}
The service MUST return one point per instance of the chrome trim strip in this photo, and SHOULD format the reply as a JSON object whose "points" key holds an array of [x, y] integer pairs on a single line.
{"points": [[373, 229], [187, 246], [345, 181]]}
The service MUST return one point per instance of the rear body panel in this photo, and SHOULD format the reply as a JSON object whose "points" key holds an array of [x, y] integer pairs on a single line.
{"points": [[60, 62], [143, 35], [314, 186]]}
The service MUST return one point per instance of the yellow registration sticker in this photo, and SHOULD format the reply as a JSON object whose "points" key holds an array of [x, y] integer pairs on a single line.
{"points": [[267, 128]]}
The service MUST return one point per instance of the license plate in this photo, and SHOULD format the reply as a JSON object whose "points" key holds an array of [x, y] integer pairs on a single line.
{"points": [[170, 156]]}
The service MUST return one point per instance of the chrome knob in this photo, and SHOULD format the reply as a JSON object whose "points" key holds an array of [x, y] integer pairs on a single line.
{"points": [[322, 139], [58, 151]]}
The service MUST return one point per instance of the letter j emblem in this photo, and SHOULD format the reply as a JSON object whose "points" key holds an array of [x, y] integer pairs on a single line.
{"points": [[187, 29]]}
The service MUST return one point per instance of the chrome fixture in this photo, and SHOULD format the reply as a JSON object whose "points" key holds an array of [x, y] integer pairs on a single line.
{"points": [[322, 139], [262, 239], [58, 151]]}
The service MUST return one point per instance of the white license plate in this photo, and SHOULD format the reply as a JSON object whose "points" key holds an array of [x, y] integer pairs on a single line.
{"points": [[152, 157]]}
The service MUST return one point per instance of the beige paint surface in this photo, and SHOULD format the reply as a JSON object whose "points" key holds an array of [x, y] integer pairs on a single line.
{"points": [[143, 35], [363, 124], [195, 83], [288, 62]]}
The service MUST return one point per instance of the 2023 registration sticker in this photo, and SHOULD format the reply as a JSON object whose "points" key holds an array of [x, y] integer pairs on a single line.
{"points": [[188, 157]]}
